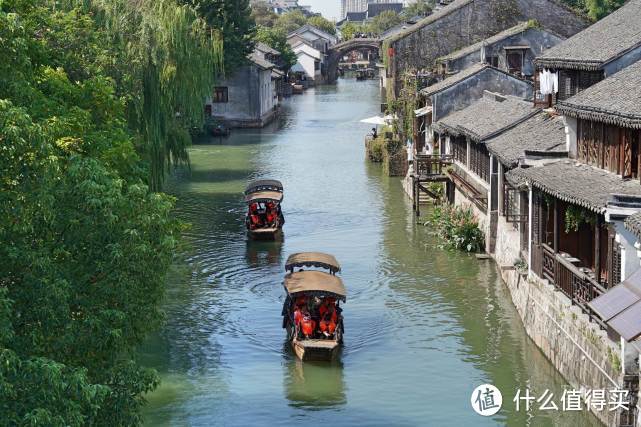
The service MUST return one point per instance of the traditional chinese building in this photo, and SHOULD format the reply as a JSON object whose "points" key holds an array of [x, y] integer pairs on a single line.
{"points": [[590, 56]]}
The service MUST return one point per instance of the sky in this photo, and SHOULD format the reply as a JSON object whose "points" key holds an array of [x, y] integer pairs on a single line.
{"points": [[330, 9]]}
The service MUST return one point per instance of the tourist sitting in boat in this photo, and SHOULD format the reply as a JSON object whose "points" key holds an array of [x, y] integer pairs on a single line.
{"points": [[271, 214], [255, 220], [328, 317], [307, 325]]}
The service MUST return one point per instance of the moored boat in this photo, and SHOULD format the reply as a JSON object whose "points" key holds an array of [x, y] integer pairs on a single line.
{"points": [[311, 312], [264, 219]]}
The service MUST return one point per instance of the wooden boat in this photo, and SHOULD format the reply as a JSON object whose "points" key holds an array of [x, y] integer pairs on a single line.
{"points": [[308, 291], [361, 75], [298, 89], [264, 219]]}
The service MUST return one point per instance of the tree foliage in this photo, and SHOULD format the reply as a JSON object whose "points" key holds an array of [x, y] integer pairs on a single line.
{"points": [[322, 24], [276, 38], [384, 21], [291, 21], [85, 243], [418, 8], [234, 22], [263, 14], [596, 9]]}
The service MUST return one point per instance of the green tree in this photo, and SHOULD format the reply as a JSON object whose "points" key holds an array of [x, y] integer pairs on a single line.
{"points": [[277, 39], [85, 244], [418, 8], [322, 24], [291, 21], [233, 20], [384, 21], [263, 14]]}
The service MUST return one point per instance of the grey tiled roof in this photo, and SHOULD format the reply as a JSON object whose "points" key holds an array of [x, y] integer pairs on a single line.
{"points": [[576, 183], [266, 48], [454, 79], [540, 133], [486, 117], [615, 100], [519, 28], [262, 63], [633, 223], [600, 43]]}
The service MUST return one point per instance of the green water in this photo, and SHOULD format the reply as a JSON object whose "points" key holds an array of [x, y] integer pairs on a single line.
{"points": [[423, 326]]}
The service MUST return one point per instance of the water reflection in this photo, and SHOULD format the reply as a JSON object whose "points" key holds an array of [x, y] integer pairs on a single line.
{"points": [[263, 253], [314, 385]]}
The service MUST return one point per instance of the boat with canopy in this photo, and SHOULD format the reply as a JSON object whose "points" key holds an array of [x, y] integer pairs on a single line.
{"points": [[264, 219], [311, 312]]}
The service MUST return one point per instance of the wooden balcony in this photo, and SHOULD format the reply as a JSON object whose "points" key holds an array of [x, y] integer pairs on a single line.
{"points": [[431, 167], [577, 283]]}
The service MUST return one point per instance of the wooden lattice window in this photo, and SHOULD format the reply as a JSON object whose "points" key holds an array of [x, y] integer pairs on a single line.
{"points": [[480, 161], [512, 209]]}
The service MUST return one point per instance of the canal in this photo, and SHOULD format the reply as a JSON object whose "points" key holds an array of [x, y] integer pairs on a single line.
{"points": [[424, 326]]}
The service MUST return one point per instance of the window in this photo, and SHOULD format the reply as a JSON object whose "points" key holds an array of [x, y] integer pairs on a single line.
{"points": [[221, 94], [480, 161], [459, 149], [493, 61], [514, 60]]}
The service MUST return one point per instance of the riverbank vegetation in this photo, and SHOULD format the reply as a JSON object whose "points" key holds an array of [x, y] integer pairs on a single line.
{"points": [[97, 98], [458, 228]]}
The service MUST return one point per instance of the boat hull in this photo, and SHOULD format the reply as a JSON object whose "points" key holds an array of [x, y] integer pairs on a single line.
{"points": [[315, 349], [265, 233]]}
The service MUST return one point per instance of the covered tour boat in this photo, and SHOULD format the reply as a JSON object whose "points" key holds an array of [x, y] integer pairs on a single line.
{"points": [[312, 312], [264, 218]]}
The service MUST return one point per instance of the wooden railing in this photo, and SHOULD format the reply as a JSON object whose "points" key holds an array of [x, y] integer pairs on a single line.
{"points": [[431, 164], [578, 284]]}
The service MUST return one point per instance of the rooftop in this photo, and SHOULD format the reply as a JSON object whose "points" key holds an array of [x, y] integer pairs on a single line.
{"points": [[488, 116], [519, 28], [541, 133], [615, 100], [262, 63], [266, 49], [600, 43], [576, 183], [454, 79], [375, 9]]}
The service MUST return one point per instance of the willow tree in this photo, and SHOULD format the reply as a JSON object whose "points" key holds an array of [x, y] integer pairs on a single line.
{"points": [[166, 61]]}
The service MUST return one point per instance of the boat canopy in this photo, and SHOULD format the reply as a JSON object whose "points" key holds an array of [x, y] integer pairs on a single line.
{"points": [[312, 259], [315, 282], [260, 196], [263, 185]]}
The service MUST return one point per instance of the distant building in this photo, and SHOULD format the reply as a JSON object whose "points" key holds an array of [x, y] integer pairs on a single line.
{"points": [[249, 97], [349, 6], [308, 64]]}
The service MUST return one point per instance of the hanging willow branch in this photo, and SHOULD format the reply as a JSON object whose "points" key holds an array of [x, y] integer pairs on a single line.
{"points": [[167, 60]]}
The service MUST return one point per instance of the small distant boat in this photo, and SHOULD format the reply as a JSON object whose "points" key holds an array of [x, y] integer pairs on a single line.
{"points": [[297, 89], [361, 75], [311, 312], [218, 129], [264, 219]]}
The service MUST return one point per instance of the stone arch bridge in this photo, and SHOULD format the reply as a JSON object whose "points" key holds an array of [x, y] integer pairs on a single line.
{"points": [[339, 50]]}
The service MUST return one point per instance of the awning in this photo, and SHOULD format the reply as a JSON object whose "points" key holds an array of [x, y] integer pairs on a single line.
{"points": [[314, 282], [378, 120], [620, 307], [423, 111], [262, 185], [275, 196], [312, 259]]}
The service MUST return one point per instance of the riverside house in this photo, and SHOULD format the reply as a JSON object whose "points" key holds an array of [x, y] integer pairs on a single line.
{"points": [[582, 222], [248, 98], [474, 172], [588, 57]]}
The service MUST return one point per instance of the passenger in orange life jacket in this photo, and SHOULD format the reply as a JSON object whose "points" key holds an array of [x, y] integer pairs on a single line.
{"points": [[300, 304], [308, 325], [328, 318], [270, 213], [254, 219]]}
